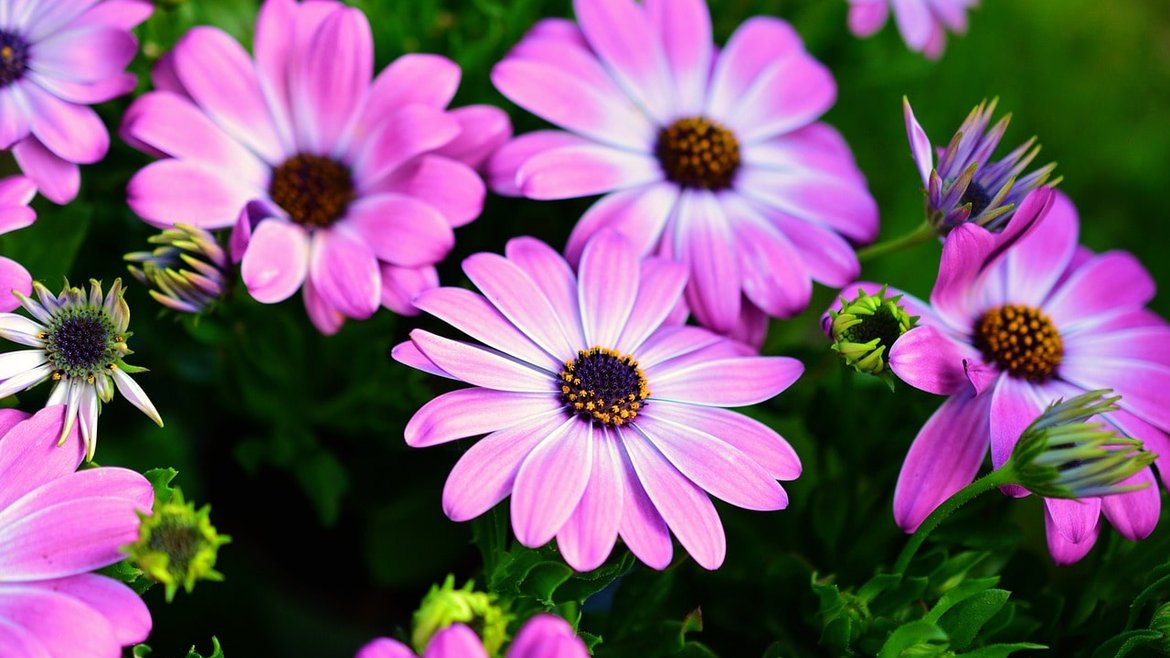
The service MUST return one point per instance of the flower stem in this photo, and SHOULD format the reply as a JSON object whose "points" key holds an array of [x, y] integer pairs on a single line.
{"points": [[917, 236], [1004, 475]]}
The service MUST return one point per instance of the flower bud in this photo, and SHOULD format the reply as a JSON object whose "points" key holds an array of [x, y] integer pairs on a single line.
{"points": [[865, 328], [1061, 455], [187, 272], [177, 545], [444, 606]]}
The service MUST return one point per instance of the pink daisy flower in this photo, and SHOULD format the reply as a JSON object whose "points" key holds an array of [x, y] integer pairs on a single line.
{"points": [[543, 636], [922, 23], [341, 186], [1046, 321], [58, 524], [16, 192], [600, 421], [711, 158], [57, 59]]}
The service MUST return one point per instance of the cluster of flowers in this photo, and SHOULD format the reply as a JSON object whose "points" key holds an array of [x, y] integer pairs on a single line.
{"points": [[605, 414]]}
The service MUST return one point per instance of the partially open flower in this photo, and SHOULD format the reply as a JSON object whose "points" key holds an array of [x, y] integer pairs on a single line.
{"points": [[177, 545], [965, 185], [865, 328], [444, 606], [1062, 455], [187, 272]]}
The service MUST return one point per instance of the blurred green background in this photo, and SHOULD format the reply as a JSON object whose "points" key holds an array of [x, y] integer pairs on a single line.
{"points": [[296, 439]]}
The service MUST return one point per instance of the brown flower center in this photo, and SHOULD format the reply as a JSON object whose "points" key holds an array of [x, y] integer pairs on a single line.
{"points": [[13, 58], [1021, 340], [604, 386], [314, 190], [698, 152]]}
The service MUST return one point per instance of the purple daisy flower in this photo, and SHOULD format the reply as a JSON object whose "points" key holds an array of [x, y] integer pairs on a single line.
{"points": [[966, 186], [543, 636], [1046, 321], [345, 187], [922, 23], [58, 524], [56, 59], [711, 158], [600, 421]]}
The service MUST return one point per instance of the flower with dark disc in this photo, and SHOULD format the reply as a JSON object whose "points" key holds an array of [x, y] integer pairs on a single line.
{"points": [[79, 341], [13, 57], [177, 545], [865, 328], [603, 385], [1021, 340], [314, 190], [698, 152]]}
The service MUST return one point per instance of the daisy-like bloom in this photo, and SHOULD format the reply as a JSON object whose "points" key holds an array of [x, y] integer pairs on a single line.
{"points": [[1046, 321], [544, 636], [600, 420], [57, 525], [966, 186], [15, 194], [347, 187], [923, 24], [79, 341], [57, 59], [711, 158]]}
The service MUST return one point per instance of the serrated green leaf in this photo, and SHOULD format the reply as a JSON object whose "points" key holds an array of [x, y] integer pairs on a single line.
{"points": [[1122, 644], [963, 621], [543, 580], [913, 636], [959, 593], [160, 480]]}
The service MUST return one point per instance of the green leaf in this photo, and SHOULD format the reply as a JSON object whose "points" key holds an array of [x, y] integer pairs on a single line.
{"points": [[1123, 644], [1002, 650], [324, 481], [962, 623], [216, 652], [921, 637], [958, 594], [160, 480], [140, 651], [543, 580]]}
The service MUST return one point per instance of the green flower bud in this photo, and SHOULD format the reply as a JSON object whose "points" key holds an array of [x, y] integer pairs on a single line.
{"points": [[1060, 455], [865, 328], [177, 545], [187, 272], [445, 605]]}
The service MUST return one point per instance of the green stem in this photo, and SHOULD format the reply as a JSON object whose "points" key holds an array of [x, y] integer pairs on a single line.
{"points": [[921, 234], [997, 478]]}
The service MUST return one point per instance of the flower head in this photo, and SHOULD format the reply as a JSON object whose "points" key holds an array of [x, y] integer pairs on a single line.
{"points": [[1045, 320], [337, 183], [59, 525], [79, 341], [714, 158], [56, 59], [923, 24], [865, 328], [444, 606], [1060, 455], [600, 419], [966, 186], [177, 545], [542, 636], [187, 272]]}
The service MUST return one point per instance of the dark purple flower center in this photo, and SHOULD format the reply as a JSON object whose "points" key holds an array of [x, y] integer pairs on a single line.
{"points": [[604, 386], [698, 152], [314, 190], [977, 197], [82, 344], [13, 58], [1021, 340]]}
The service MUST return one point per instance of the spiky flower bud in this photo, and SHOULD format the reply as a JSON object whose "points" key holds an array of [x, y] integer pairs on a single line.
{"points": [[445, 605], [1061, 455], [866, 327], [177, 545], [187, 272]]}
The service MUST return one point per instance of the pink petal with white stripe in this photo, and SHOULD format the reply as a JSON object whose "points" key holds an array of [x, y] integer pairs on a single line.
{"points": [[551, 482]]}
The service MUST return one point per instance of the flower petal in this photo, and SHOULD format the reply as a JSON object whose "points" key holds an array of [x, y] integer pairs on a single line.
{"points": [[609, 273], [207, 198], [642, 527], [400, 285], [57, 180], [276, 262], [790, 94], [621, 35], [751, 437], [482, 367], [703, 240], [400, 229], [725, 382], [345, 271], [30, 456], [476, 317], [72, 132], [62, 625], [330, 83], [456, 641], [452, 188], [639, 213], [588, 536], [685, 29], [518, 297], [551, 482], [660, 289], [584, 170], [757, 44], [549, 271], [128, 615], [1111, 282], [844, 205], [471, 411], [933, 361]]}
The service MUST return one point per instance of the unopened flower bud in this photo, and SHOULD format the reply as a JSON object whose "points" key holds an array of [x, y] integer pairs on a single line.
{"points": [[445, 605], [177, 545], [865, 328], [1061, 455], [187, 272]]}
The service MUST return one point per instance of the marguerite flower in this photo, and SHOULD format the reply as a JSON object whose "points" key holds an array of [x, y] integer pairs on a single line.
{"points": [[57, 59], [543, 636], [966, 185], [711, 158], [58, 524], [600, 421], [347, 187], [922, 23], [79, 341], [1046, 321]]}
